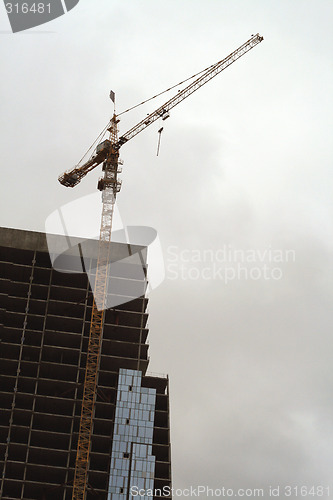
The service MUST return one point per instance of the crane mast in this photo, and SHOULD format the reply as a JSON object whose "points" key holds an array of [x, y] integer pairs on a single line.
{"points": [[108, 153], [111, 186]]}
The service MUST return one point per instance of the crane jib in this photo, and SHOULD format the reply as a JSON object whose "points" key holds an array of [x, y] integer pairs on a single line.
{"points": [[211, 72]]}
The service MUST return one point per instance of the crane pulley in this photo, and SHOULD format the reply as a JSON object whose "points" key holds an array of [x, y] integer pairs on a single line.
{"points": [[108, 153]]}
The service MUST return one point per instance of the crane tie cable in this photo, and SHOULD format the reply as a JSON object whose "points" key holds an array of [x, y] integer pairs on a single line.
{"points": [[93, 144], [144, 102], [164, 91], [140, 104]]}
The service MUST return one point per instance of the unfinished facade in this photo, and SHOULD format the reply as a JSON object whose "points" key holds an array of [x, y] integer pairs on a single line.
{"points": [[44, 330]]}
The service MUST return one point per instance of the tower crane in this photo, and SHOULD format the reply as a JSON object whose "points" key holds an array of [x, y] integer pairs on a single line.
{"points": [[108, 153]]}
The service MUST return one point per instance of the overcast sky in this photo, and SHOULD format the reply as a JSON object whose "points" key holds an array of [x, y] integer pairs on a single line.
{"points": [[245, 164]]}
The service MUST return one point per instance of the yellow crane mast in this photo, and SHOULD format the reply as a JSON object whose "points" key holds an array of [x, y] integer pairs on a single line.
{"points": [[108, 153], [110, 188]]}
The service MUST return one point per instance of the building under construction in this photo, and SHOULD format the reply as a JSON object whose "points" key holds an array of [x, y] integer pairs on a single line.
{"points": [[44, 329]]}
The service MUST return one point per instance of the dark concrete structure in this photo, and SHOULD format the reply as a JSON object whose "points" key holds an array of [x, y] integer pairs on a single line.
{"points": [[44, 330]]}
